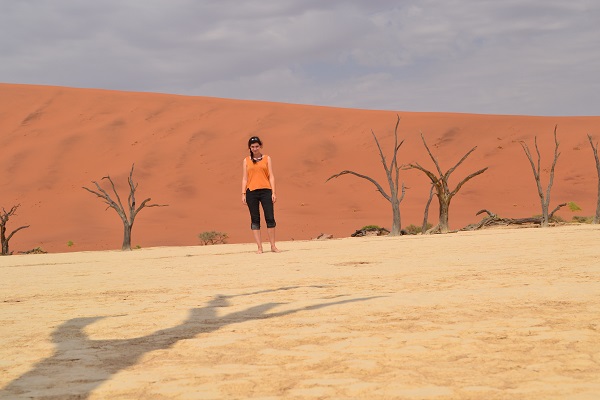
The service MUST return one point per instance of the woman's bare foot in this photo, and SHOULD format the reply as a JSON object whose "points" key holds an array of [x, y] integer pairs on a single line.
{"points": [[259, 251], [275, 249]]}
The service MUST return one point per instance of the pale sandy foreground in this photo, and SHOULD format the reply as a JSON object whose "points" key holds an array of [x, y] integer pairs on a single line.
{"points": [[496, 314]]}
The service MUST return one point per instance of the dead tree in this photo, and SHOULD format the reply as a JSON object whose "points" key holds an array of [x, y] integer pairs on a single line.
{"points": [[536, 168], [118, 206], [595, 150], [442, 187], [4, 217], [392, 173]]}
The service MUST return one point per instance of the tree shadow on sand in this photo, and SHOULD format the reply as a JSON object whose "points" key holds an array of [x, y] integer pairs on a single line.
{"points": [[80, 364]]}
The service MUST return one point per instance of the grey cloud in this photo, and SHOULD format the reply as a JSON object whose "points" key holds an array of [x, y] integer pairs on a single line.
{"points": [[479, 56]]}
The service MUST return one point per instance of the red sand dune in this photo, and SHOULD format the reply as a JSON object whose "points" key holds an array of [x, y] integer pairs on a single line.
{"points": [[188, 153]]}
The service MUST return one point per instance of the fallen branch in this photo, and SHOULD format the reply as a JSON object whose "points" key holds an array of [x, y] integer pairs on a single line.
{"points": [[494, 220]]}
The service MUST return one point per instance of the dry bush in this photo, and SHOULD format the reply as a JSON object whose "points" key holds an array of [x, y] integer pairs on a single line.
{"points": [[212, 237]]}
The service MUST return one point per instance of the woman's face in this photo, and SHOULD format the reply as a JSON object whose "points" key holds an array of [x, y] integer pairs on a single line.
{"points": [[255, 147]]}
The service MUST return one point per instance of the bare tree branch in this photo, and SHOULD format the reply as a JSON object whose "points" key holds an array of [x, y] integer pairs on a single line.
{"points": [[112, 184], [383, 161], [394, 163], [402, 194], [451, 170], [558, 207], [468, 178], [108, 200], [373, 181], [434, 179], [528, 154], [144, 204], [435, 161], [16, 230], [489, 213], [539, 159], [556, 155]]}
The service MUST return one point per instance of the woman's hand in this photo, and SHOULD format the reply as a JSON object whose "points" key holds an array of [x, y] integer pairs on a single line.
{"points": [[273, 197], [244, 198]]}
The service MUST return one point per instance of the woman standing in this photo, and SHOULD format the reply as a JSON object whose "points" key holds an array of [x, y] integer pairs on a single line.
{"points": [[258, 187]]}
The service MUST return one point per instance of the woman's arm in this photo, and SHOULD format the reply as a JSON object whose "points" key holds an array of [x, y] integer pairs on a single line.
{"points": [[272, 179], [244, 181]]}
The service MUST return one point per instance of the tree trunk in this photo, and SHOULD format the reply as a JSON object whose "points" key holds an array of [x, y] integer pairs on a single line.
{"points": [[426, 212], [396, 221], [545, 218], [126, 237], [597, 159], [597, 216], [443, 224], [444, 210], [4, 241]]}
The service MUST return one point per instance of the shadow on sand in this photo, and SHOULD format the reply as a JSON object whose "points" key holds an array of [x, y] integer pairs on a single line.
{"points": [[80, 364]]}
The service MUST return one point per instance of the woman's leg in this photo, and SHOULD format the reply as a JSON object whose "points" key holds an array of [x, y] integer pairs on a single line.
{"points": [[258, 240], [253, 200], [271, 234], [268, 208]]}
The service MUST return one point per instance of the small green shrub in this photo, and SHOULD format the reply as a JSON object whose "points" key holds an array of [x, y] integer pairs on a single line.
{"points": [[415, 230], [137, 246], [583, 219], [573, 207], [212, 237], [70, 243]]}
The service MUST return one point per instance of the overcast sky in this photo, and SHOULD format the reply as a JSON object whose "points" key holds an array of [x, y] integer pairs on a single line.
{"points": [[530, 57]]}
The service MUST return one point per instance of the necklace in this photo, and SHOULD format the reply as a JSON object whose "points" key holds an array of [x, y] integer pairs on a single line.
{"points": [[257, 159]]}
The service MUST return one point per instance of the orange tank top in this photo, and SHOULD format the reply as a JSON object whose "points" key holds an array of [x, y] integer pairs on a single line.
{"points": [[258, 173]]}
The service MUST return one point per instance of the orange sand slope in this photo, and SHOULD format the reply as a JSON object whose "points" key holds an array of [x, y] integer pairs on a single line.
{"points": [[495, 314], [188, 153]]}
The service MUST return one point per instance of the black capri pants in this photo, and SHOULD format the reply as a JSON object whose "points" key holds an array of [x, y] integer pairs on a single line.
{"points": [[253, 199]]}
